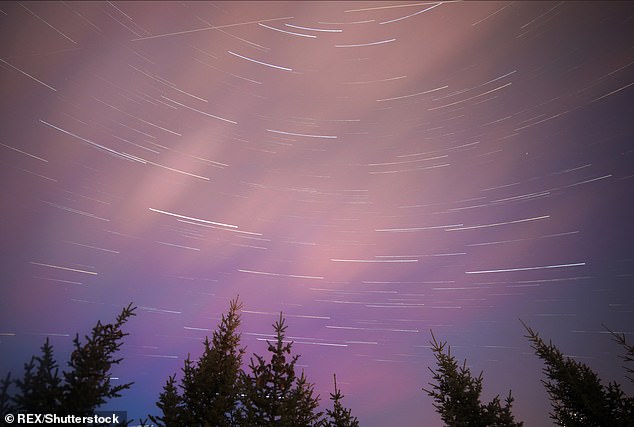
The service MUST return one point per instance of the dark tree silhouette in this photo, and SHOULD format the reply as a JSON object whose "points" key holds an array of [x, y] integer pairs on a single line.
{"points": [[171, 405], [5, 398], [339, 416], [87, 384], [210, 385], [40, 388], [576, 394], [273, 394], [83, 387], [628, 357], [457, 394]]}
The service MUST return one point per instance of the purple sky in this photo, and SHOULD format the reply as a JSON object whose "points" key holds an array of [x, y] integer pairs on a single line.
{"points": [[372, 169]]}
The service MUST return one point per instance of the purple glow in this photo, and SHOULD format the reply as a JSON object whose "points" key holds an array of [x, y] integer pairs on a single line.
{"points": [[372, 169]]}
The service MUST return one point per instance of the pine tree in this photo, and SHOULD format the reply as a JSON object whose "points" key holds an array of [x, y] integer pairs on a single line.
{"points": [[40, 388], [82, 388], [577, 396], [5, 398], [629, 352], [273, 394], [339, 416], [457, 394], [210, 385], [304, 412], [171, 405], [87, 383], [210, 388]]}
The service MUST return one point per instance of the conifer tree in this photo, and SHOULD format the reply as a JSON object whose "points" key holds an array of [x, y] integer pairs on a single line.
{"points": [[457, 394], [87, 383], [40, 387], [210, 386], [577, 396], [5, 398], [171, 405], [273, 394], [628, 357], [304, 412], [81, 388], [339, 416]]}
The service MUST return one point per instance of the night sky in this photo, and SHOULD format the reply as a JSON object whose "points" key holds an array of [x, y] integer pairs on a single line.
{"points": [[372, 169]]}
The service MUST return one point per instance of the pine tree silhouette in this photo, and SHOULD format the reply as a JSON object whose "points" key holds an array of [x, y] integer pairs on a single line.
{"points": [[576, 394], [5, 399], [40, 388], [628, 357], [457, 394], [210, 385], [339, 416], [273, 394], [171, 405], [83, 387], [87, 383]]}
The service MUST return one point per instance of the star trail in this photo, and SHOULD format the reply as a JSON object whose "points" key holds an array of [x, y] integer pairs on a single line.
{"points": [[374, 170]]}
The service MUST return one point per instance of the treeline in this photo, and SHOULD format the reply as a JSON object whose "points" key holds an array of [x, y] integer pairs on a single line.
{"points": [[577, 396], [80, 389], [218, 390], [213, 391]]}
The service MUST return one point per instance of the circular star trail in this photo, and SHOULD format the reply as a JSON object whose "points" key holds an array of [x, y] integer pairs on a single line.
{"points": [[374, 170]]}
